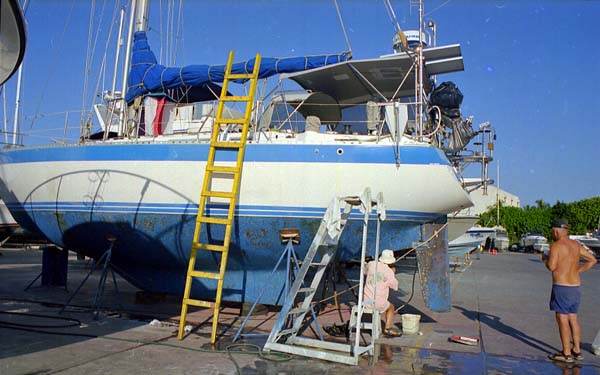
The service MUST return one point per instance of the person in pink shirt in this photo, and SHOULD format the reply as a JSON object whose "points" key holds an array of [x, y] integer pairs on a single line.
{"points": [[377, 288]]}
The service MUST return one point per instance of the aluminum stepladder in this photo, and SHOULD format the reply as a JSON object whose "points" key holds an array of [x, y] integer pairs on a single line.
{"points": [[289, 236], [319, 255], [218, 146]]}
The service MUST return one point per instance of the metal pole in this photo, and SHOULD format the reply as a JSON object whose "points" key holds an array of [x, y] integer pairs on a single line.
{"points": [[114, 99], [17, 105], [141, 21], [123, 114], [5, 115], [498, 192], [420, 82], [119, 44]]}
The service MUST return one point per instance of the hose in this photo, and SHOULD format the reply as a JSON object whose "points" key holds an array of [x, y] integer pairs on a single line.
{"points": [[273, 357]]}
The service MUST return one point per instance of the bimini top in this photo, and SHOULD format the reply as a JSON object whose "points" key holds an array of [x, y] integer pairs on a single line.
{"points": [[392, 76], [147, 76]]}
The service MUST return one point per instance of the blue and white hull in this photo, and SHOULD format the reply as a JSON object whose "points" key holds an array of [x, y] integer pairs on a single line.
{"points": [[146, 195]]}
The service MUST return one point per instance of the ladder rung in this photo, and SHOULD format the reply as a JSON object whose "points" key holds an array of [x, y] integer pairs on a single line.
{"points": [[239, 76], [354, 201], [205, 275], [213, 220], [230, 121], [206, 246], [218, 194], [297, 310], [231, 98], [197, 302], [219, 168], [318, 264], [227, 144], [306, 290]]}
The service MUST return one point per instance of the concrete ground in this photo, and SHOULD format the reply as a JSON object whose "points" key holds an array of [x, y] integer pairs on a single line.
{"points": [[502, 300]]}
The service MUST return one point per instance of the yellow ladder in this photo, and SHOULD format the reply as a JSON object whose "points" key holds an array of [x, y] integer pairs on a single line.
{"points": [[222, 170]]}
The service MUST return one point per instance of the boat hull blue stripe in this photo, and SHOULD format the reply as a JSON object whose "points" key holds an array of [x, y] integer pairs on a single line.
{"points": [[216, 209], [279, 153]]}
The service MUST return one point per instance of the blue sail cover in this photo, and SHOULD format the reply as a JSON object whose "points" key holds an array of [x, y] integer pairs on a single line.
{"points": [[147, 76]]}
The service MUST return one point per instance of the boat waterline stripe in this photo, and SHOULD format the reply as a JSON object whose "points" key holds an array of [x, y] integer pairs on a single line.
{"points": [[267, 153], [191, 209]]}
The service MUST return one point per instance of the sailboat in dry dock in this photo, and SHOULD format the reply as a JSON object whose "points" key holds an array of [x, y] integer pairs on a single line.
{"points": [[139, 179]]}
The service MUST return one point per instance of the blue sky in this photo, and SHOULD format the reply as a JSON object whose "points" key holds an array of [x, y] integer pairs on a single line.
{"points": [[531, 68]]}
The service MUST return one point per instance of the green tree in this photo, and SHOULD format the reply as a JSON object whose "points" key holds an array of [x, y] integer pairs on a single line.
{"points": [[583, 217]]}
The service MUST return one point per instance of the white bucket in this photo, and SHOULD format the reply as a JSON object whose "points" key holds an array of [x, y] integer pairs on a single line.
{"points": [[410, 323]]}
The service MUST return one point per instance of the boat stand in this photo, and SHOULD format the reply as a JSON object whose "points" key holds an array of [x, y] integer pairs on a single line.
{"points": [[106, 267], [54, 269], [289, 237]]}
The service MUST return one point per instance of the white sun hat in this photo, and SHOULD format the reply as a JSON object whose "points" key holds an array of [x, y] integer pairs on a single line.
{"points": [[387, 257]]}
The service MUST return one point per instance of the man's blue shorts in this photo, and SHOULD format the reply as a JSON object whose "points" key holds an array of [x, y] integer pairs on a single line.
{"points": [[565, 299]]}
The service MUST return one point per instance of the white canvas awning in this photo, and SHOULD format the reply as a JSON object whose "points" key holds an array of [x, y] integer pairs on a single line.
{"points": [[358, 81]]}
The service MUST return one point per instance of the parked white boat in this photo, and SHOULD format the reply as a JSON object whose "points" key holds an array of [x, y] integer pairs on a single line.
{"points": [[533, 241], [470, 240], [592, 242]]}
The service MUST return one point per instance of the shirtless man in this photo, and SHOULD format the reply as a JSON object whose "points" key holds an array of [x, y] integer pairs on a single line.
{"points": [[563, 262]]}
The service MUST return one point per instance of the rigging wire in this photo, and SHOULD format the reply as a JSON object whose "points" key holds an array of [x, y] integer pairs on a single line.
{"points": [[89, 63], [391, 14], [160, 29], [88, 57], [436, 8], [54, 64], [337, 8], [105, 56], [178, 35], [173, 36], [396, 25], [170, 22]]}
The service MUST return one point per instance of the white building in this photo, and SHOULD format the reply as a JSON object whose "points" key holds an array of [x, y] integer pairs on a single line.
{"points": [[465, 219], [484, 202]]}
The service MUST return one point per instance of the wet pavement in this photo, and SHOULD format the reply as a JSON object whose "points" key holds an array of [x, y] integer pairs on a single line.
{"points": [[501, 300]]}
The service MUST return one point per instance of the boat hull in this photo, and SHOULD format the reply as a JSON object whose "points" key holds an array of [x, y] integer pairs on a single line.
{"points": [[146, 197]]}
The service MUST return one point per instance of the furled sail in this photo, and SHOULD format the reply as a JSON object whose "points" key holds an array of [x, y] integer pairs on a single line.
{"points": [[147, 76]]}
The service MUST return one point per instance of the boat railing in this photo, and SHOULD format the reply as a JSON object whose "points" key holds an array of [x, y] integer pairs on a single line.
{"points": [[44, 128]]}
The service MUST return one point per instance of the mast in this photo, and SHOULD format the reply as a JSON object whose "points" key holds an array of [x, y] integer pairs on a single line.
{"points": [[138, 21]]}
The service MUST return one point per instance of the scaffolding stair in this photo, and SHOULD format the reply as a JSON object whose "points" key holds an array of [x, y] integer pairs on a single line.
{"points": [[286, 337], [213, 172]]}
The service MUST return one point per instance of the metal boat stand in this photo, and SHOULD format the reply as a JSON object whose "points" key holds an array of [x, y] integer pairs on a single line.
{"points": [[106, 267], [288, 237], [50, 262]]}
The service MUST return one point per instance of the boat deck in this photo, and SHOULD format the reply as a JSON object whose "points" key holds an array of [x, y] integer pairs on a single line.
{"points": [[502, 300]]}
